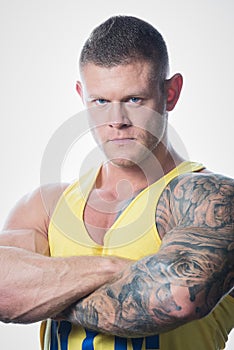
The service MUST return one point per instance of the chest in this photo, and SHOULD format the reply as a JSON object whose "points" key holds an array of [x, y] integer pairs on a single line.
{"points": [[103, 211]]}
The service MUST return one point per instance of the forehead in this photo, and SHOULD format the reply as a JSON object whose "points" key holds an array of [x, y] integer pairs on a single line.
{"points": [[136, 73]]}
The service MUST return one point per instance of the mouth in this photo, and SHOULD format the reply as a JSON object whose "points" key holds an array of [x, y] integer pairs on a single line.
{"points": [[122, 141]]}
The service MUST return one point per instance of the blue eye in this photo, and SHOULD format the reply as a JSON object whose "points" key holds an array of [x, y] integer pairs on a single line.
{"points": [[100, 102], [134, 99]]}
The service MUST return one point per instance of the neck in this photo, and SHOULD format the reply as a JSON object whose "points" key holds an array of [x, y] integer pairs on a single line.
{"points": [[132, 179]]}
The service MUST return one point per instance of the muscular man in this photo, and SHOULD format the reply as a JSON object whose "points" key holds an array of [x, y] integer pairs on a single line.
{"points": [[145, 203]]}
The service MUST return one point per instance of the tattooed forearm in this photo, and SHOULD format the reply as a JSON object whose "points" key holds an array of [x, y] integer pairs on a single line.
{"points": [[191, 273], [181, 283]]}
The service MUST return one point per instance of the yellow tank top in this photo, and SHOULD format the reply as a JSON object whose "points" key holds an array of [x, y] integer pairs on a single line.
{"points": [[133, 235]]}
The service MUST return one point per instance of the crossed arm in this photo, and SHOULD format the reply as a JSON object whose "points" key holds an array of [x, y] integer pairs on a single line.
{"points": [[184, 281], [34, 287]]}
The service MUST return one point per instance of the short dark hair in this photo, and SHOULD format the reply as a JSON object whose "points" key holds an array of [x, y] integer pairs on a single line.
{"points": [[125, 39]]}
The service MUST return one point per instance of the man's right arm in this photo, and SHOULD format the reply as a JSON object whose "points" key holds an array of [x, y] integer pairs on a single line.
{"points": [[32, 286]]}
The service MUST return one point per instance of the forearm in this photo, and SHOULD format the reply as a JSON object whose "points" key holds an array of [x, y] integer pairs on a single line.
{"points": [[183, 282], [34, 287], [134, 305]]}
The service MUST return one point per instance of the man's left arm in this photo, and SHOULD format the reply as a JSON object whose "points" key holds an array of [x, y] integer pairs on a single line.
{"points": [[185, 280]]}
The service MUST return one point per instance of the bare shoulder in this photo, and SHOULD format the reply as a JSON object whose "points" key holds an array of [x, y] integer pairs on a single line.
{"points": [[33, 211], [201, 199]]}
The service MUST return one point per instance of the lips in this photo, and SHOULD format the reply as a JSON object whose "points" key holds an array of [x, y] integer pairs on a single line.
{"points": [[123, 141]]}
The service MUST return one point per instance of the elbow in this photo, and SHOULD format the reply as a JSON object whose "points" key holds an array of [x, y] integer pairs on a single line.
{"points": [[7, 306], [7, 313], [177, 308], [11, 308], [5, 317], [10, 315]]}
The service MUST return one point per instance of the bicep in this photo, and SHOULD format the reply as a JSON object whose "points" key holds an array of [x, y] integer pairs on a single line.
{"points": [[27, 224], [28, 239], [202, 240]]}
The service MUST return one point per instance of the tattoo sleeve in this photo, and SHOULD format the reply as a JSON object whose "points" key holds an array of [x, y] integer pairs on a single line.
{"points": [[184, 281]]}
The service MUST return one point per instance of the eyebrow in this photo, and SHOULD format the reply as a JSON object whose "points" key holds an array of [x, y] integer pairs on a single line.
{"points": [[94, 97], [139, 94]]}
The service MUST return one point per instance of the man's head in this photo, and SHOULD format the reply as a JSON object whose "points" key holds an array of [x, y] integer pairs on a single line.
{"points": [[121, 40], [123, 66]]}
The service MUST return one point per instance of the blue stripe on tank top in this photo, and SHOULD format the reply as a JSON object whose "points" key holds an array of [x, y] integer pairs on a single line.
{"points": [[152, 342], [87, 343], [64, 331], [137, 343], [120, 343], [53, 336]]}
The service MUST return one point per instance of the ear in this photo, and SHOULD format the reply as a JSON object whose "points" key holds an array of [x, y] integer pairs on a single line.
{"points": [[173, 88], [79, 89]]}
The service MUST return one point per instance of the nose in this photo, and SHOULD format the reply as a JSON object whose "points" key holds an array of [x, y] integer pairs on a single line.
{"points": [[118, 117]]}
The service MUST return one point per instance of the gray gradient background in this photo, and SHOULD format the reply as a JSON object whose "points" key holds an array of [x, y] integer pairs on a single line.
{"points": [[40, 42]]}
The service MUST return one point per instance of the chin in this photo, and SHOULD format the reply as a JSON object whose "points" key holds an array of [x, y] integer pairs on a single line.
{"points": [[123, 163]]}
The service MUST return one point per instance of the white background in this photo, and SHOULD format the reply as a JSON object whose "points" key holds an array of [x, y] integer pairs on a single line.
{"points": [[40, 42]]}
